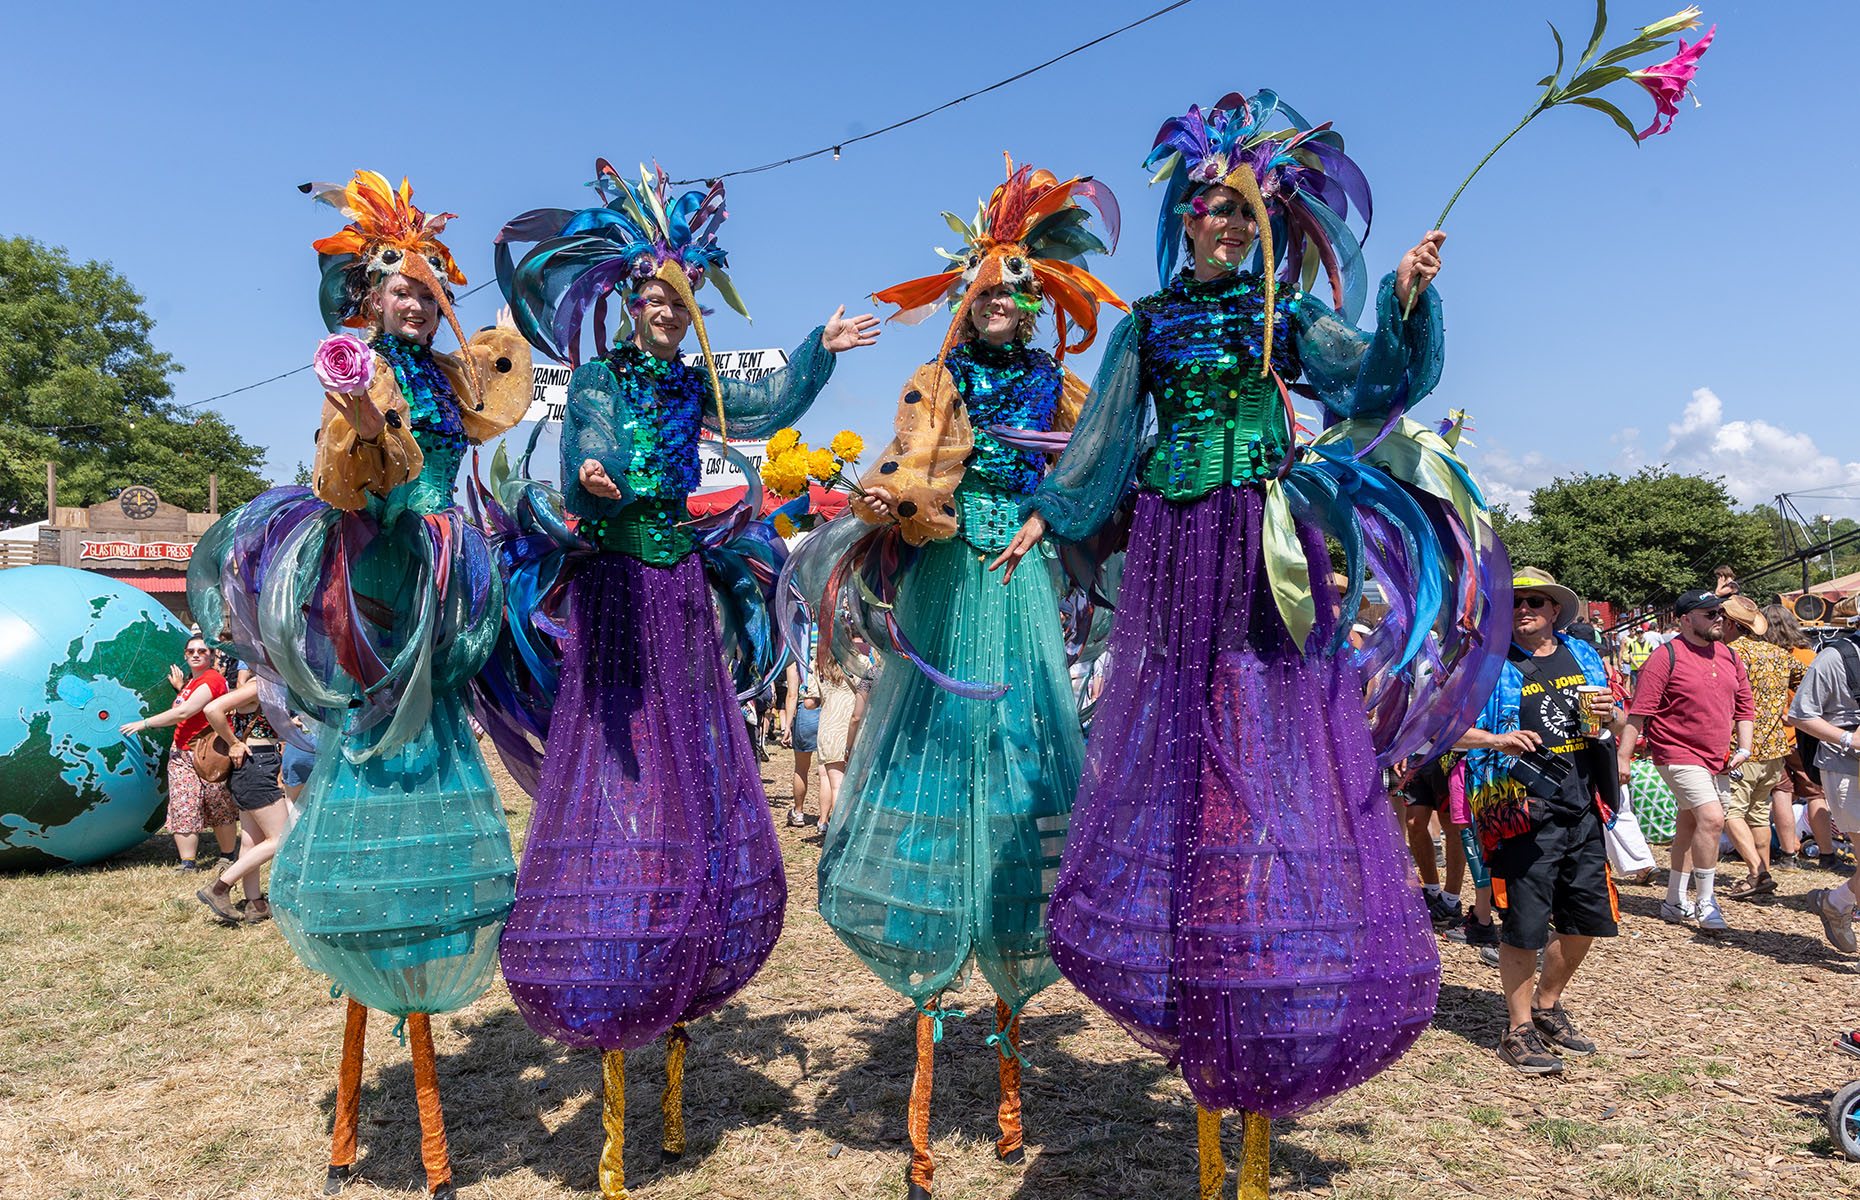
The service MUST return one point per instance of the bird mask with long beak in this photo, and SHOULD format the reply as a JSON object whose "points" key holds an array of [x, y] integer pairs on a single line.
{"points": [[1032, 235], [386, 235], [638, 233]]}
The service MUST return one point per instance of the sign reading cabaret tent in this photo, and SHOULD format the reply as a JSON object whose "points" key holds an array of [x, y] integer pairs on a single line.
{"points": [[167, 551], [549, 398]]}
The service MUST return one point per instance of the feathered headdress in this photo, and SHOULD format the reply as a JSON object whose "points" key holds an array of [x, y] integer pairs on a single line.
{"points": [[386, 235], [1295, 177], [636, 234], [1032, 229]]}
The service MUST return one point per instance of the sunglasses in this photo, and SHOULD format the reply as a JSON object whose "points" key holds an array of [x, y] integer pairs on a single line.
{"points": [[1531, 602], [191, 653]]}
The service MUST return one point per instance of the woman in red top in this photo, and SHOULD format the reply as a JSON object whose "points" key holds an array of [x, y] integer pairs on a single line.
{"points": [[193, 804]]}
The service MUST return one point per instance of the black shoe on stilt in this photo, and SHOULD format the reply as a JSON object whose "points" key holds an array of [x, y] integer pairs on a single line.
{"points": [[917, 1192], [446, 1191], [332, 1182], [1013, 1157], [668, 1157]]}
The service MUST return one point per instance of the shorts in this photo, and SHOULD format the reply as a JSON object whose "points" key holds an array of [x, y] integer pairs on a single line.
{"points": [[806, 731], [1694, 786], [297, 764], [1557, 874], [254, 783], [1750, 796], [194, 805], [1427, 789], [1843, 800]]}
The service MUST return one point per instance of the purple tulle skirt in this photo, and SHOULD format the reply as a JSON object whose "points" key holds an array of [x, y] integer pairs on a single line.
{"points": [[1234, 890], [651, 887]]}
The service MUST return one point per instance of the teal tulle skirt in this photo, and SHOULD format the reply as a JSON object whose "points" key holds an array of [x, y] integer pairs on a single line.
{"points": [[396, 878], [947, 841]]}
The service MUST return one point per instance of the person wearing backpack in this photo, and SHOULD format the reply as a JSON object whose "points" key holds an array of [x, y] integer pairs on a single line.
{"points": [[1827, 707], [1692, 695]]}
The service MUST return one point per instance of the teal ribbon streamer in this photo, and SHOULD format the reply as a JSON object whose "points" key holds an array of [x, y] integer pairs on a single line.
{"points": [[937, 1017], [400, 1030], [1003, 1044]]}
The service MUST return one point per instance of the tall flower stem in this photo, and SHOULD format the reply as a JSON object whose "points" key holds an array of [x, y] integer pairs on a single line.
{"points": [[1535, 109]]}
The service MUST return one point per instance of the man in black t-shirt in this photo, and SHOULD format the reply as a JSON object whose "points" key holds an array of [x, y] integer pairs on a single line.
{"points": [[1551, 861]]}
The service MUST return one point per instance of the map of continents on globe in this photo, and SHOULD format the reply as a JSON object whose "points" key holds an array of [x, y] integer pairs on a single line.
{"points": [[80, 654]]}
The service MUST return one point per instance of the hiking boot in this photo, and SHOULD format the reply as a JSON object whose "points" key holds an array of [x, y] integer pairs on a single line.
{"points": [[1836, 863], [1836, 926], [258, 910], [1554, 1025], [220, 902], [1525, 1050], [1785, 862], [1677, 914]]}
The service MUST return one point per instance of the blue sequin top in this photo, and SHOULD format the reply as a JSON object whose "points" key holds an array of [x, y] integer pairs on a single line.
{"points": [[436, 424], [658, 435], [1014, 385]]}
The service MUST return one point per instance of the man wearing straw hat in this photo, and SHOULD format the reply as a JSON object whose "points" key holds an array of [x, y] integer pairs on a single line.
{"points": [[1773, 674], [1693, 693], [1541, 788]]}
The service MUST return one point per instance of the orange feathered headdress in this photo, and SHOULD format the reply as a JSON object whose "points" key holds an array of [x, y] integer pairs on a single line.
{"points": [[1031, 230], [386, 233]]}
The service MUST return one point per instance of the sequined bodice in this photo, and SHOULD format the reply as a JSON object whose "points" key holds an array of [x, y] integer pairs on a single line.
{"points": [[1218, 420], [659, 427], [1016, 386], [435, 421]]}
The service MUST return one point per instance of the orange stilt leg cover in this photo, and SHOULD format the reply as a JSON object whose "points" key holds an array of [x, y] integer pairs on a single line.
{"points": [[1007, 1021], [348, 1090], [922, 1165], [426, 1089]]}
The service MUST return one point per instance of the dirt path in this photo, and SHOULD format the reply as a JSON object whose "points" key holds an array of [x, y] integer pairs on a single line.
{"points": [[146, 1051]]}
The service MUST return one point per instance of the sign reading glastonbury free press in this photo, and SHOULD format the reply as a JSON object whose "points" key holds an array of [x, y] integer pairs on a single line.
{"points": [[549, 398]]}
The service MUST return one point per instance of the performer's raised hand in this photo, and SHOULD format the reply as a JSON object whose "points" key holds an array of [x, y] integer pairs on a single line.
{"points": [[1417, 269], [596, 481], [844, 333], [1028, 537]]}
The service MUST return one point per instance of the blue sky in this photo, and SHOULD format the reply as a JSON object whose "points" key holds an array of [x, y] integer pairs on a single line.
{"points": [[1607, 305]]}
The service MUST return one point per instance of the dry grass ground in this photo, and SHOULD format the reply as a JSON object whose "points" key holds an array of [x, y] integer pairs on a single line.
{"points": [[147, 1052]]}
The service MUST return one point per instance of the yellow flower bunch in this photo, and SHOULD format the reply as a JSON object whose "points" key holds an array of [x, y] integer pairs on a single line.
{"points": [[783, 441]]}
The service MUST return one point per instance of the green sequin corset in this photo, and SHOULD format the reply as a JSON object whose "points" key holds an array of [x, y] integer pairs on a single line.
{"points": [[647, 529], [1219, 421], [988, 517], [435, 421]]}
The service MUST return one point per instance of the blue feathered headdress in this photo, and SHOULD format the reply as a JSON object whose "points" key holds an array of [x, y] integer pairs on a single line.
{"points": [[1294, 174], [637, 233]]}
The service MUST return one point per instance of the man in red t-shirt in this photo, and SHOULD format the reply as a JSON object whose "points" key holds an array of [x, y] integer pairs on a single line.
{"points": [[194, 805], [1691, 697]]}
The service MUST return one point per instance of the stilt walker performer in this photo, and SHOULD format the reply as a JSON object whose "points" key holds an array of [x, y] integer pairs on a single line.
{"points": [[368, 606], [960, 787], [651, 888], [1234, 887]]}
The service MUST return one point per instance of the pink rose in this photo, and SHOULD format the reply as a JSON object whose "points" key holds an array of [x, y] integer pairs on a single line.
{"points": [[345, 363]]}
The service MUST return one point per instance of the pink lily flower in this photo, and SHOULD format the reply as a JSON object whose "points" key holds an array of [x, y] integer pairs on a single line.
{"points": [[1669, 81]]}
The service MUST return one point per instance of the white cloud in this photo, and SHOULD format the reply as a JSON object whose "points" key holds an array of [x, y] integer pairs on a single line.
{"points": [[1756, 459]]}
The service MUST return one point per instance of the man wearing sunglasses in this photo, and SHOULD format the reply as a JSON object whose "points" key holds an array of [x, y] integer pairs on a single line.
{"points": [[1693, 694], [1534, 767]]}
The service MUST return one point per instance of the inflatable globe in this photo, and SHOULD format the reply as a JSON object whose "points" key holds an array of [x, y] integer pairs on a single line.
{"points": [[80, 654]]}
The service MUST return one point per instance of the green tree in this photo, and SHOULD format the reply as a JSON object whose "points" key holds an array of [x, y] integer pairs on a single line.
{"points": [[83, 387], [1635, 541]]}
